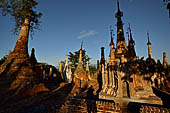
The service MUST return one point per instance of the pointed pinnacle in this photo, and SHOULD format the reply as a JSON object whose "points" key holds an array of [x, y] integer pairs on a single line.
{"points": [[149, 43], [81, 45], [118, 5]]}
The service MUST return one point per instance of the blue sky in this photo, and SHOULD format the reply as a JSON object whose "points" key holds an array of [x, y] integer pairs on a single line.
{"points": [[65, 23]]}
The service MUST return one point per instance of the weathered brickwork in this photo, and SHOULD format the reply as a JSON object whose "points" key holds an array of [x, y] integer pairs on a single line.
{"points": [[74, 105], [151, 109]]}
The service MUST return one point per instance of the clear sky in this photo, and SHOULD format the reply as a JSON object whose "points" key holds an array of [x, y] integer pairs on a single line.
{"points": [[65, 23]]}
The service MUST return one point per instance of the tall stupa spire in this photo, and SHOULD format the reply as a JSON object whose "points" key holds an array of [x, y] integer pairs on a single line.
{"points": [[87, 66], [119, 13], [118, 5], [131, 49], [81, 45], [66, 59], [80, 55], [111, 36], [112, 55], [121, 47], [131, 41], [165, 62], [149, 47]]}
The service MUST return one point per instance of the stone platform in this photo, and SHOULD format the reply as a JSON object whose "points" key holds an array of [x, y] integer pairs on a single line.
{"points": [[123, 102]]}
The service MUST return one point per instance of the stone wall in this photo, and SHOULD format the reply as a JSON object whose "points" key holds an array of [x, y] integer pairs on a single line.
{"points": [[151, 109], [75, 105]]}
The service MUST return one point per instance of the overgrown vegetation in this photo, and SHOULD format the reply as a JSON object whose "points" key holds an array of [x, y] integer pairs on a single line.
{"points": [[92, 69], [74, 59], [20, 10], [167, 3]]}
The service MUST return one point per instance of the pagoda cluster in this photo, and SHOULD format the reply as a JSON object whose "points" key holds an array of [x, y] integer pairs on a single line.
{"points": [[124, 74]]}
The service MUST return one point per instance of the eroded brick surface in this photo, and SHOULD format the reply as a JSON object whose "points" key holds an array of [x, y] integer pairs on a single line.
{"points": [[75, 105], [152, 109]]}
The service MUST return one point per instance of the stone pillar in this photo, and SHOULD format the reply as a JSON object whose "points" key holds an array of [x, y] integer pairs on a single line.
{"points": [[61, 67], [131, 89], [103, 77], [165, 63], [66, 69], [106, 76], [109, 80], [66, 64], [80, 56], [102, 61], [87, 66], [105, 64], [70, 75], [119, 92], [106, 79], [113, 82], [125, 89], [113, 78]]}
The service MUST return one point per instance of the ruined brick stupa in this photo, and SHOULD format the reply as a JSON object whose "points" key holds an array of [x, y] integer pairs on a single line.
{"points": [[80, 77], [21, 73]]}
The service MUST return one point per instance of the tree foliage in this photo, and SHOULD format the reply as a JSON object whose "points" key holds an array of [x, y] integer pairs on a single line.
{"points": [[167, 3], [74, 58], [92, 69], [19, 10]]}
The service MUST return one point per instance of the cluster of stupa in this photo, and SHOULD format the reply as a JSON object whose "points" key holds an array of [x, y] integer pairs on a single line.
{"points": [[117, 80], [80, 76], [122, 75], [67, 73], [66, 70]]}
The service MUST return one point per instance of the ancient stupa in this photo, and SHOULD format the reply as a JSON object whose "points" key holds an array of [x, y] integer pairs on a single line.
{"points": [[22, 73]]}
